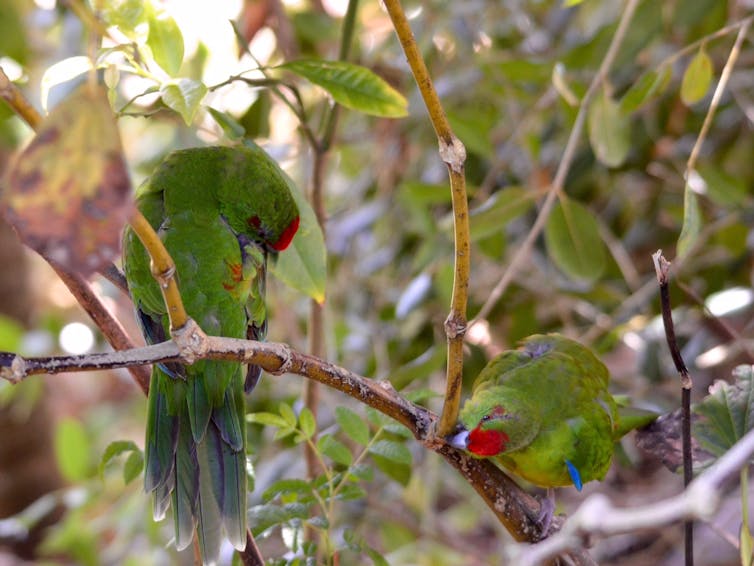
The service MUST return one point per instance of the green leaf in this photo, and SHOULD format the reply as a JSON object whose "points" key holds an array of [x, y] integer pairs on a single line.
{"points": [[166, 42], [696, 78], [723, 189], [334, 449], [502, 207], [115, 449], [11, 334], [299, 487], [184, 96], [263, 517], [125, 14], [133, 466], [231, 128], [353, 86], [609, 131], [391, 450], [649, 86], [573, 241], [307, 423], [727, 413], [268, 419], [288, 415], [692, 221], [72, 449], [352, 425], [303, 265]]}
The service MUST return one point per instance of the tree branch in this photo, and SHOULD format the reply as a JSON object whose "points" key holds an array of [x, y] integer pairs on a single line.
{"points": [[453, 154], [516, 510]]}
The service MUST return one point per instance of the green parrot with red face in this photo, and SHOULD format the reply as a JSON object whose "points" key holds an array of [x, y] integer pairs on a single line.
{"points": [[544, 412], [222, 213]]}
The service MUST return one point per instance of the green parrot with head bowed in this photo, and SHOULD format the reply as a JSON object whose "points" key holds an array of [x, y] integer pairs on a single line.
{"points": [[544, 412], [221, 213]]}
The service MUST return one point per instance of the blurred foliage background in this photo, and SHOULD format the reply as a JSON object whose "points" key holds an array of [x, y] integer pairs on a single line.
{"points": [[510, 75]]}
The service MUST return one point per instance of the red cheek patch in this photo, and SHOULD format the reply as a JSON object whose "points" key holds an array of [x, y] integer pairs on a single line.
{"points": [[285, 238], [487, 442]]}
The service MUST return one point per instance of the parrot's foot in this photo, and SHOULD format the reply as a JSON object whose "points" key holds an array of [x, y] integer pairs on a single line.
{"points": [[546, 511]]}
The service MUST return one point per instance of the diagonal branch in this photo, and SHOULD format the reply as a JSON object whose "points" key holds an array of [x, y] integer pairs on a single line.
{"points": [[516, 510]]}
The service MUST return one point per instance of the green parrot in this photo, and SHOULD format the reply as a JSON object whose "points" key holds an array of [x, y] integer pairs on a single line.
{"points": [[221, 213], [544, 412]]}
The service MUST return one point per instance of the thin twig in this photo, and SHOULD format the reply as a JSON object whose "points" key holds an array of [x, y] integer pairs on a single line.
{"points": [[564, 166], [662, 268], [453, 154]]}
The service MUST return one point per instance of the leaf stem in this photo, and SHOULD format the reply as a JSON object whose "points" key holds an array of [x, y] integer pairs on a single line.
{"points": [[453, 154]]}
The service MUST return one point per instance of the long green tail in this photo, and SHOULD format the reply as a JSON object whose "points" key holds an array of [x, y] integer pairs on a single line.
{"points": [[204, 479]]}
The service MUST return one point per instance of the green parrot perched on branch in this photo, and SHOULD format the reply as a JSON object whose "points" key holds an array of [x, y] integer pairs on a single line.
{"points": [[221, 213], [544, 412]]}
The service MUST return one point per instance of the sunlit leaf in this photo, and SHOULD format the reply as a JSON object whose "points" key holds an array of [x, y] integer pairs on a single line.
{"points": [[353, 86], [696, 78], [184, 96], [61, 72], [166, 41], [68, 193], [125, 14], [609, 131], [72, 449], [115, 449], [573, 240]]}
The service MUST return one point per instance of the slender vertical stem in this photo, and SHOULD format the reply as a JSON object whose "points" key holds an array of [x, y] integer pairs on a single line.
{"points": [[662, 268], [453, 154]]}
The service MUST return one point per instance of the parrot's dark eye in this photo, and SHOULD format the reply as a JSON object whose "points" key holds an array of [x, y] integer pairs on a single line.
{"points": [[486, 418]]}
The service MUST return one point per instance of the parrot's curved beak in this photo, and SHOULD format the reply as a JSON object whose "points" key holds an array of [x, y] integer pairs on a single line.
{"points": [[459, 440]]}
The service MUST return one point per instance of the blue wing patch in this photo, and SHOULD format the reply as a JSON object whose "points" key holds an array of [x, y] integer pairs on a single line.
{"points": [[575, 475]]}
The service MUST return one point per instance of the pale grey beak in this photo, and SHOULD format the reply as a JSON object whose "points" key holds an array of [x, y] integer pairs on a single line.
{"points": [[459, 440]]}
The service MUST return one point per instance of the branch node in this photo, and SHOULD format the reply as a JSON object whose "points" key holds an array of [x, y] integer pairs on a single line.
{"points": [[453, 153], [191, 340], [286, 362], [15, 372], [455, 326]]}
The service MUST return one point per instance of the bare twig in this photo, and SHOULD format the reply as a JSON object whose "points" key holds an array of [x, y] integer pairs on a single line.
{"points": [[453, 154], [662, 267]]}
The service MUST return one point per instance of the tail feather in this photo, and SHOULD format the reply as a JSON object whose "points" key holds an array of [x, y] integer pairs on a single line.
{"points": [[200, 408], [162, 437], [186, 489], [234, 496], [208, 519], [228, 422], [161, 499]]}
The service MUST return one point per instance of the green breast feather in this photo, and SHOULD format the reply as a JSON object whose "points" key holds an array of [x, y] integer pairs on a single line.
{"points": [[221, 213], [544, 412]]}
